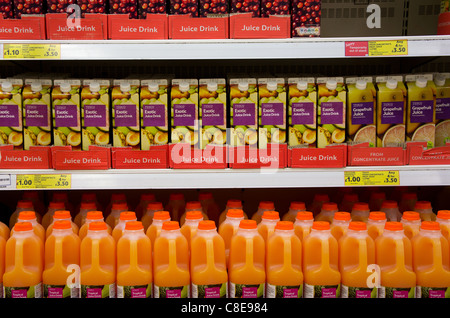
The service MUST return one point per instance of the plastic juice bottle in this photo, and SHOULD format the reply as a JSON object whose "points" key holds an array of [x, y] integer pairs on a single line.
{"points": [[124, 218], [98, 263], [171, 263], [192, 206], [376, 200], [144, 200], [116, 209], [209, 277], [190, 226], [411, 223], [92, 216], [4, 231], [425, 210], [176, 205], [318, 200], [294, 208], [147, 218], [30, 216], [431, 262], [327, 212], [376, 224], [322, 278], [229, 227], [246, 270], [209, 205], [62, 248], [267, 225], [22, 205], [231, 204], [347, 202], [339, 226], [115, 198], [33, 196], [24, 263], [53, 206], [63, 196], [443, 218], [360, 212], [393, 252], [284, 263], [407, 201], [303, 224], [390, 208], [2, 263], [134, 263], [85, 207], [263, 206], [154, 230], [61, 215], [89, 197]]}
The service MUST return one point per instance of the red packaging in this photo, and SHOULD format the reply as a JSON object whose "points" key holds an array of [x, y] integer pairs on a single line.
{"points": [[58, 6], [275, 7], [151, 7], [244, 6], [305, 18], [184, 7], [92, 6], [28, 7], [6, 9], [207, 7], [124, 7]]}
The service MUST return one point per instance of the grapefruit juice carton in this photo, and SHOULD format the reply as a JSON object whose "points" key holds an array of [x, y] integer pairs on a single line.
{"points": [[11, 123], [442, 134]]}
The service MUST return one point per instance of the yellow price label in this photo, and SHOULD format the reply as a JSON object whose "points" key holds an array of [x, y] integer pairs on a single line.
{"points": [[44, 181], [31, 51], [371, 178], [388, 48]]}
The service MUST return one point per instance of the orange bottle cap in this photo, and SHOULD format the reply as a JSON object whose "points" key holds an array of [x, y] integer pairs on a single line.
{"points": [[357, 226], [361, 206], [389, 204], [25, 204], [27, 215], [94, 215], [161, 215], [422, 205], [148, 197], [170, 225], [444, 214], [329, 206], [266, 205], [193, 205], [56, 205], [321, 225], [234, 203], [430, 225], [377, 215], [194, 215], [378, 195], [248, 224], [411, 215], [23, 226], [271, 215], [155, 206], [393, 226], [409, 196], [342, 216], [97, 226], [205, 196], [118, 197], [62, 225], [304, 215], [119, 206], [297, 205], [88, 205], [235, 213], [321, 197], [127, 215], [88, 196], [351, 197], [176, 196], [207, 225], [61, 214], [284, 225], [134, 226]]}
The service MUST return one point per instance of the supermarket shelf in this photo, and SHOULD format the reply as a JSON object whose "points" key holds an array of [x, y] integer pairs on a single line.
{"points": [[228, 178], [294, 48]]}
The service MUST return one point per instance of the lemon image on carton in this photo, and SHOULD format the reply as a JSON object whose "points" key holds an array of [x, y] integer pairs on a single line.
{"points": [[11, 126], [442, 134]]}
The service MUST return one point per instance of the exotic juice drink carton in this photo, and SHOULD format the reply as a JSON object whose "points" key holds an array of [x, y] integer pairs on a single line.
{"points": [[11, 125]]}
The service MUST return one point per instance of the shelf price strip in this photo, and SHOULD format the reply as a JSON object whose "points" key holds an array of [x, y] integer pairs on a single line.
{"points": [[371, 178], [31, 51], [43, 181], [388, 48]]}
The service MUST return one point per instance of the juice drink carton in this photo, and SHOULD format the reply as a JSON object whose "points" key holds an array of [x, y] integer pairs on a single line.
{"points": [[53, 206], [154, 113], [376, 223], [322, 278], [22, 205], [442, 134], [66, 113], [394, 257], [116, 209], [134, 263], [390, 208], [62, 249], [98, 263], [183, 7], [213, 108], [360, 212], [209, 277], [176, 205], [270, 7], [361, 110], [302, 112], [267, 225], [85, 207], [391, 111], [303, 224], [305, 18], [61, 215], [425, 210], [125, 217], [443, 218], [24, 263], [95, 113], [262, 207], [11, 123], [242, 6], [327, 212], [272, 111], [284, 263], [339, 226], [154, 230], [126, 113], [190, 226], [231, 204], [37, 113], [246, 270], [171, 263], [294, 208], [184, 112], [411, 223], [30, 216], [91, 217], [331, 111], [420, 118], [243, 112], [229, 227], [147, 218]]}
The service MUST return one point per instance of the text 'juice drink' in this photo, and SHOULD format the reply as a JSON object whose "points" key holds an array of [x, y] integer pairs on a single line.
{"points": [[11, 123]]}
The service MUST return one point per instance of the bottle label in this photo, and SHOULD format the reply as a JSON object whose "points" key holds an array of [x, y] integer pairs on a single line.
{"points": [[172, 292], [60, 291], [23, 292], [278, 291], [98, 291], [321, 291], [393, 292], [432, 292], [358, 292], [209, 291], [139, 291], [247, 290]]}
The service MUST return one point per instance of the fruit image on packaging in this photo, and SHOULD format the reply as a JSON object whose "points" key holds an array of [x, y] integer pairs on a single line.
{"points": [[208, 7], [302, 112], [92, 6], [331, 108], [184, 7], [11, 125], [244, 6], [154, 108], [37, 113], [305, 18], [58, 6], [442, 134], [124, 7], [95, 113], [151, 7], [66, 113], [28, 7], [271, 7]]}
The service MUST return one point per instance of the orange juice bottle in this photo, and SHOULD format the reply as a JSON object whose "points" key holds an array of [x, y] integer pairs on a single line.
{"points": [[393, 252], [116, 209], [231, 204], [376, 224], [92, 216], [63, 196], [176, 205], [408, 201], [360, 212], [425, 210], [209, 205], [98, 263], [85, 207], [190, 226], [339, 226], [443, 218], [118, 197], [39, 206], [322, 278], [134, 263], [171, 263], [347, 201], [303, 224], [126, 216], [53, 206], [431, 262], [356, 253], [229, 227], [294, 208], [376, 200], [147, 217], [154, 230], [5, 232], [192, 206], [316, 204], [284, 263], [62, 248], [263, 206], [246, 270], [144, 200], [268, 222], [209, 277], [61, 215], [30, 216], [327, 212], [390, 208], [89, 197], [22, 205], [24, 263], [2, 262], [411, 223]]}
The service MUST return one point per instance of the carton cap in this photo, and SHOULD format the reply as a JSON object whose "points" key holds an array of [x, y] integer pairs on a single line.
{"points": [[243, 86], [439, 80], [272, 86], [65, 87], [94, 86], [184, 86], [36, 87], [361, 84], [125, 87], [331, 84], [153, 87], [421, 82], [212, 86], [302, 85], [7, 86], [391, 84]]}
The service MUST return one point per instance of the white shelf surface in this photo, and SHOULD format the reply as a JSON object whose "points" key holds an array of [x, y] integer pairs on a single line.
{"points": [[292, 48]]}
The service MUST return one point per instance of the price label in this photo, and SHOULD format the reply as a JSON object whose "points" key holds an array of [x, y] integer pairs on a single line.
{"points": [[44, 181], [31, 51], [371, 178], [388, 48]]}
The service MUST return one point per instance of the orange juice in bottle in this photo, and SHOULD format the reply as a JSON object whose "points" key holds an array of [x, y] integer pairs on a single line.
{"points": [[322, 278], [5, 232], [390, 208], [61, 215], [63, 196], [125, 217], [411, 223], [30, 216], [2, 263], [246, 270], [116, 209], [154, 230], [89, 197], [443, 218], [171, 263], [267, 225], [22, 205], [294, 208], [393, 252], [209, 277], [92, 216], [284, 263], [360, 211], [376, 200], [176, 205], [190, 226], [407, 202], [209, 206], [327, 212], [339, 226], [431, 262], [231, 204], [147, 217], [192, 206], [229, 227], [356, 253], [316, 204], [38, 204], [134, 263], [376, 224], [347, 201], [53, 206], [425, 210], [263, 206], [303, 224], [85, 207], [62, 248], [118, 197], [24, 263], [98, 263], [144, 200]]}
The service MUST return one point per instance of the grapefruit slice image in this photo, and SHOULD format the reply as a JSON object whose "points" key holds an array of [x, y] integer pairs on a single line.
{"points": [[366, 134], [394, 136], [442, 133], [425, 133]]}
